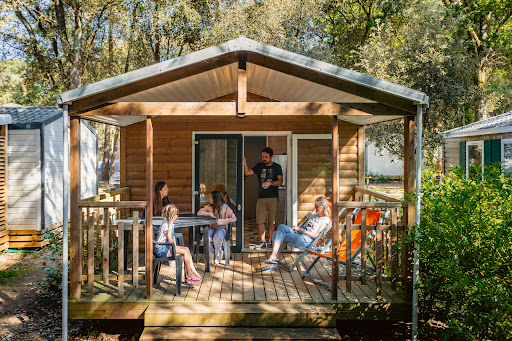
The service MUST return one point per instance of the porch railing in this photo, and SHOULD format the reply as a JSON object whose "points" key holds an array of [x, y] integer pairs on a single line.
{"points": [[103, 241], [386, 247]]}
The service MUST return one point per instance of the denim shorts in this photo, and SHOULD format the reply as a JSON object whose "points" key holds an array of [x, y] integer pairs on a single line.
{"points": [[161, 251]]}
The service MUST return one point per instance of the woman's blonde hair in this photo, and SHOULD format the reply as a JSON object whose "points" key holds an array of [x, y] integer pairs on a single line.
{"points": [[322, 201], [170, 213]]}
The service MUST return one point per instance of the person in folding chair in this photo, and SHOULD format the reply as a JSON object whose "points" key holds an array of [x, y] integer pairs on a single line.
{"points": [[300, 235]]}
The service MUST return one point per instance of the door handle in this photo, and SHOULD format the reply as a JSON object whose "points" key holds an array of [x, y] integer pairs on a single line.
{"points": [[239, 207]]}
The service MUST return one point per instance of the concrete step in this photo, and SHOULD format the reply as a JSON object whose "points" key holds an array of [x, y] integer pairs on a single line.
{"points": [[228, 314], [238, 333]]}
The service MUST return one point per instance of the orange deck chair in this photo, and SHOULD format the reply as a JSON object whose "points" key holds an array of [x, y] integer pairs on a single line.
{"points": [[372, 218]]}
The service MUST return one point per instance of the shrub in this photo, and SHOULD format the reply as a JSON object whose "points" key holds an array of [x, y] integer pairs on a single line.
{"points": [[465, 240]]}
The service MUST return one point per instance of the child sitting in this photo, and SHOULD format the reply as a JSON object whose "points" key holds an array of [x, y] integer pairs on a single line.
{"points": [[217, 208], [166, 234]]}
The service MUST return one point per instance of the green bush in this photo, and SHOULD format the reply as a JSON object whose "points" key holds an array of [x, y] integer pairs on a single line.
{"points": [[465, 240]]}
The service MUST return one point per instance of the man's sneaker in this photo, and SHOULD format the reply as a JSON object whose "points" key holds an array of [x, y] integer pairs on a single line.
{"points": [[259, 246]]}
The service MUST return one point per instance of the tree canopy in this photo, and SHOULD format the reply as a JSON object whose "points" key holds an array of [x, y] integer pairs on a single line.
{"points": [[457, 52]]}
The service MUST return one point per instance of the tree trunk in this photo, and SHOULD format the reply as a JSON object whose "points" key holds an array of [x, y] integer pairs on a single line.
{"points": [[114, 150], [105, 171], [75, 80]]}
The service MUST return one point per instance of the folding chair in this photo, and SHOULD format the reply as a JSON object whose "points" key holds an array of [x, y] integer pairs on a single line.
{"points": [[311, 247], [373, 217]]}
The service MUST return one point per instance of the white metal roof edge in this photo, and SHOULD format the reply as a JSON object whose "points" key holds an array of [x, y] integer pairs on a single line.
{"points": [[501, 130], [5, 119], [243, 44]]}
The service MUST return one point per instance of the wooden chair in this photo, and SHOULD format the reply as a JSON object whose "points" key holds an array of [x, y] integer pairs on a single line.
{"points": [[157, 263], [373, 217]]}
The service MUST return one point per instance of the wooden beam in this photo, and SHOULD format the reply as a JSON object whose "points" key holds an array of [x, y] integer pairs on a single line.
{"points": [[166, 109], [75, 231], [335, 217], [149, 207], [242, 106], [409, 187], [122, 158], [242, 84], [360, 156]]}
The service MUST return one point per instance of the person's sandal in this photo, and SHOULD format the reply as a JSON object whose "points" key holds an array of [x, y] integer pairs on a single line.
{"points": [[194, 279], [271, 261]]}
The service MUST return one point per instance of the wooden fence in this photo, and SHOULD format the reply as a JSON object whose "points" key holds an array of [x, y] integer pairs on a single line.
{"points": [[103, 241], [386, 246]]}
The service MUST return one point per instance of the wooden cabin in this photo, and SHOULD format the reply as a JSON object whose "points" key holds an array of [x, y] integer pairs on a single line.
{"points": [[35, 148], [484, 142], [5, 120], [189, 121]]}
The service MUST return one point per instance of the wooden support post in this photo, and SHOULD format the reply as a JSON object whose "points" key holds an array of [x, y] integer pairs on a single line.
{"points": [[122, 166], [75, 232], [394, 258], [335, 198], [106, 246], [90, 252], [348, 253], [120, 260], [364, 255], [242, 85], [360, 159], [409, 212], [149, 207], [379, 259], [135, 249]]}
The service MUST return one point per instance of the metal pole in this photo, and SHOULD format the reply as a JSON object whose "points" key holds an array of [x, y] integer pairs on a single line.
{"points": [[65, 196], [416, 264]]}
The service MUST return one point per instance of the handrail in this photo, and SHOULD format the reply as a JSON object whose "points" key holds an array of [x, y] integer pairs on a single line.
{"points": [[366, 204], [112, 204], [106, 195], [375, 194]]}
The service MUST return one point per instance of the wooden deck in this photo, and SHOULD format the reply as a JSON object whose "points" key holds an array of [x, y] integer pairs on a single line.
{"points": [[242, 282]]}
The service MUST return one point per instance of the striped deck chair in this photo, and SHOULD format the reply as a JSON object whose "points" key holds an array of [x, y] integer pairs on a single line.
{"points": [[372, 218]]}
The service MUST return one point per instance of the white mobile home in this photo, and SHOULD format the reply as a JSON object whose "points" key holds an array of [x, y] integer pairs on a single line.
{"points": [[35, 156]]}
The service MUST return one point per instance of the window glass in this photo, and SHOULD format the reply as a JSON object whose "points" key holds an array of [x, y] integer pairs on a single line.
{"points": [[507, 156], [475, 157]]}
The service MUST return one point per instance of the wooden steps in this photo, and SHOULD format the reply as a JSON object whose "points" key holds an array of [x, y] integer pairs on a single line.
{"points": [[238, 333], [240, 321], [264, 314]]}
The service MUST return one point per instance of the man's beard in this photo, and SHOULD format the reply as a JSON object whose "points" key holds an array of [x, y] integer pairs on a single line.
{"points": [[266, 162]]}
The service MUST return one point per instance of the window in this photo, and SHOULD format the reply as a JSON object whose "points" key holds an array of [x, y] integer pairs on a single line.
{"points": [[506, 155], [474, 155]]}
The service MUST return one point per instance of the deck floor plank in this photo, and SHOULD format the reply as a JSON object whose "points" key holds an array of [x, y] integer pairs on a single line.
{"points": [[248, 285], [227, 281], [282, 294], [238, 289], [289, 284], [320, 272], [218, 279], [303, 290], [268, 281], [259, 287]]}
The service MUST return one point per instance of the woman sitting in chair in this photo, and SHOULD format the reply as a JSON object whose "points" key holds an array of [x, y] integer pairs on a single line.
{"points": [[217, 208], [160, 199], [300, 235], [166, 234]]}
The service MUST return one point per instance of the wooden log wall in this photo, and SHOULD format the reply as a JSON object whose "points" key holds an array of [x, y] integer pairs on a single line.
{"points": [[173, 149]]}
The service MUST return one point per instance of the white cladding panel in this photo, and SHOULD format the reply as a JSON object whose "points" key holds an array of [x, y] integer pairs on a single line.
{"points": [[381, 162], [24, 179], [53, 152], [89, 161]]}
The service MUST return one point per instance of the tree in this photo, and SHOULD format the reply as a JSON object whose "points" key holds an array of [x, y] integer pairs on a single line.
{"points": [[487, 26], [424, 53]]}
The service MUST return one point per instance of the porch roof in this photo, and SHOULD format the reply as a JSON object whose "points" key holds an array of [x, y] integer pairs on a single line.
{"points": [[273, 73]]}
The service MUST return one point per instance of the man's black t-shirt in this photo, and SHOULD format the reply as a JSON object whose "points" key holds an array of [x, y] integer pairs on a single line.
{"points": [[264, 174]]}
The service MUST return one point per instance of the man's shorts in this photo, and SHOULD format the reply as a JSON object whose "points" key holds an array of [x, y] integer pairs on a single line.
{"points": [[264, 205]]}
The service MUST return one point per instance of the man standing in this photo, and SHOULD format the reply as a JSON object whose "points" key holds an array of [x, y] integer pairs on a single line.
{"points": [[270, 177]]}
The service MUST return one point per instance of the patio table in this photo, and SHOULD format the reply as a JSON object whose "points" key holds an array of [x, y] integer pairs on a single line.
{"points": [[194, 223]]}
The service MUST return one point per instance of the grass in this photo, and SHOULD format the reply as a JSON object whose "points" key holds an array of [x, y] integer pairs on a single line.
{"points": [[5, 275]]}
